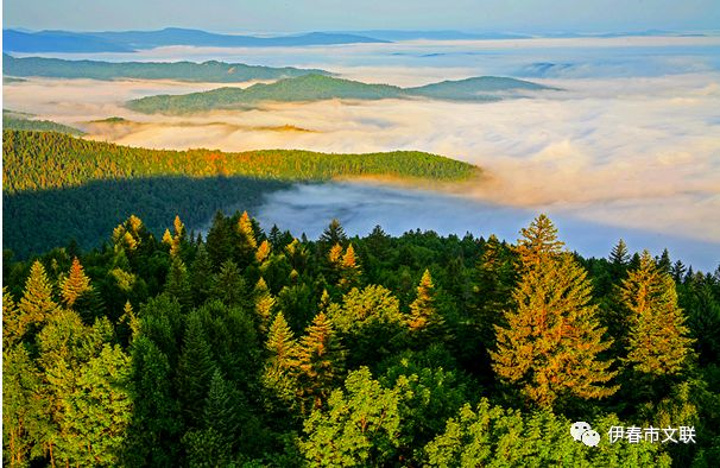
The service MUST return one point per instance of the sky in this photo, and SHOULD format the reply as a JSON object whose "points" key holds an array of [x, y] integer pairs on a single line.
{"points": [[533, 16]]}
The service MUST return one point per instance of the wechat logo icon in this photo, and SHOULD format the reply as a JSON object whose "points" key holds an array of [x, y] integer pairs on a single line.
{"points": [[582, 432]]}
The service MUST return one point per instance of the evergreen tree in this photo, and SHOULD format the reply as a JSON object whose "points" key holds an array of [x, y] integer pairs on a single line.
{"points": [[264, 305], [664, 263], [219, 241], [13, 327], [334, 234], [178, 283], [22, 409], [195, 369], [247, 243], [36, 304], [350, 269], [279, 376], [263, 251], [156, 425], [75, 285], [229, 285], [493, 289], [538, 243], [552, 343], [619, 255], [424, 316], [201, 275], [658, 343], [320, 362]]}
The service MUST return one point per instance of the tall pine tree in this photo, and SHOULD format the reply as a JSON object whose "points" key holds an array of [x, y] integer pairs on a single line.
{"points": [[658, 344], [551, 345]]}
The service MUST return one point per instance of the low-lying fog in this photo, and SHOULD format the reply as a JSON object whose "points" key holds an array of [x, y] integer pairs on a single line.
{"points": [[630, 148]]}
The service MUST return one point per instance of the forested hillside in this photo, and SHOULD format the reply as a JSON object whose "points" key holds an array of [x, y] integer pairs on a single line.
{"points": [[95, 183], [22, 121], [318, 88], [210, 71], [251, 348]]}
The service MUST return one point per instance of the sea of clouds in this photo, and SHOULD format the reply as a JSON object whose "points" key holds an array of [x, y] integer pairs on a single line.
{"points": [[629, 147]]}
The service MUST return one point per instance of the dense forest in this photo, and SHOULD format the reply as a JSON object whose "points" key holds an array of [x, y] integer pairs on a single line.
{"points": [[251, 348], [93, 184], [320, 87], [210, 71]]}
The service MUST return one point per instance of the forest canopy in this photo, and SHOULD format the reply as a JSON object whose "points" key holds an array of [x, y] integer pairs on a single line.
{"points": [[254, 348]]}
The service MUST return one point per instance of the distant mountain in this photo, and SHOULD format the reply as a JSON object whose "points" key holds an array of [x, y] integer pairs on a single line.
{"points": [[479, 88], [449, 35], [212, 71], [128, 41], [318, 88], [57, 41]]}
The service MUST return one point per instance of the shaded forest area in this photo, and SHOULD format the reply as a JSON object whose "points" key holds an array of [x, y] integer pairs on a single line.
{"points": [[251, 348], [57, 187]]}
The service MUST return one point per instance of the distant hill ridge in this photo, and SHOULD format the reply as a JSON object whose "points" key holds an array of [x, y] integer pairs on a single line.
{"points": [[320, 87], [210, 71], [129, 41]]}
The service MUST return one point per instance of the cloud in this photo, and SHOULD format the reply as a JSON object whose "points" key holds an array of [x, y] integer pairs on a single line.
{"points": [[638, 152]]}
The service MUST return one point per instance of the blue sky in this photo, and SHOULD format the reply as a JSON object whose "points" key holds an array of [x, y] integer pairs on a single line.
{"points": [[313, 15]]}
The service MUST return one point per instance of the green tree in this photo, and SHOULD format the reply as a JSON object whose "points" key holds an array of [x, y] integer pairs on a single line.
{"points": [[360, 426], [178, 284], [495, 437], [22, 409], [153, 435], [551, 347], [658, 344], [195, 369], [370, 323]]}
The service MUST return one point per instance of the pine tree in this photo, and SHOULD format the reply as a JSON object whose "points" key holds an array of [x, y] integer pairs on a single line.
{"points": [[350, 270], [423, 312], [619, 256], [539, 242], [334, 234], [157, 422], [178, 283], [493, 289], [279, 377], [320, 363], [195, 369], [246, 231], [13, 326], [335, 255], [219, 240], [664, 263], [36, 304], [229, 285], [264, 305], [281, 343], [658, 343], [263, 251], [75, 285], [201, 275], [551, 345]]}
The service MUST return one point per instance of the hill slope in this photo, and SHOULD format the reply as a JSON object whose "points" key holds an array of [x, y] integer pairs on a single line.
{"points": [[37, 161], [318, 88], [57, 188], [211, 71]]}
